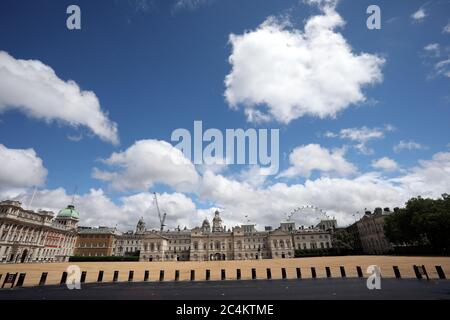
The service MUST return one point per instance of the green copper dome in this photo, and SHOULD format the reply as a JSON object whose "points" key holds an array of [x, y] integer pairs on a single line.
{"points": [[69, 212]]}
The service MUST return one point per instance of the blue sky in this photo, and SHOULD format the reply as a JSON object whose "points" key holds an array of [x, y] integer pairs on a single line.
{"points": [[156, 66]]}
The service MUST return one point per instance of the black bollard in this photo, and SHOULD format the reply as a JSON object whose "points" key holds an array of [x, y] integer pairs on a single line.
{"points": [[253, 274], [21, 280], [417, 272], [440, 272], [63, 278], [83, 277], [396, 272], [343, 274], [43, 278], [359, 270], [100, 276], [313, 272]]}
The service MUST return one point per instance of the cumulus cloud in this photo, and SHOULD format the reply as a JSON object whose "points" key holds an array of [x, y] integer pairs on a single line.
{"points": [[419, 15], [34, 88], [264, 204], [306, 159], [282, 73], [97, 209], [430, 178], [340, 197], [408, 145], [385, 163], [20, 168], [146, 163], [361, 136]]}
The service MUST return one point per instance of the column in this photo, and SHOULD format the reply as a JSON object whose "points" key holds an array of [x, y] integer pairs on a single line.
{"points": [[10, 232], [2, 252]]}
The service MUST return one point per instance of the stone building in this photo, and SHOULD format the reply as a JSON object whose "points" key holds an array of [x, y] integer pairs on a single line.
{"points": [[207, 243], [129, 243], [371, 232], [95, 242], [29, 236]]}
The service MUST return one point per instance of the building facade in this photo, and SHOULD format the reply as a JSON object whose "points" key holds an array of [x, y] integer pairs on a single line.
{"points": [[214, 242], [371, 232], [95, 242], [28, 236]]}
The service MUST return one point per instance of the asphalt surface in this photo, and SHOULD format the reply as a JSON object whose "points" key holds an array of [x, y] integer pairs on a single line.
{"points": [[241, 290]]}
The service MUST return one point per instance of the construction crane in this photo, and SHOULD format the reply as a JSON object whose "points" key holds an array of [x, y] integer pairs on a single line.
{"points": [[162, 219]]}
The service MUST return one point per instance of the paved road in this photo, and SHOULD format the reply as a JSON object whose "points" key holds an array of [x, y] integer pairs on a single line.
{"points": [[242, 290]]}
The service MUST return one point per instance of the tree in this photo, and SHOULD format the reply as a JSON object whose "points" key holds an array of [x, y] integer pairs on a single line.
{"points": [[423, 222]]}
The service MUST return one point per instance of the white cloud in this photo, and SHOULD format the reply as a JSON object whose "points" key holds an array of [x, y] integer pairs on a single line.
{"points": [[430, 178], [20, 168], [330, 134], [362, 136], [263, 204], [385, 163], [97, 209], [322, 3], [419, 15], [408, 145], [189, 4], [306, 159], [443, 68], [254, 176], [180, 209], [282, 73], [446, 28], [340, 197], [146, 163], [433, 49], [34, 88]]}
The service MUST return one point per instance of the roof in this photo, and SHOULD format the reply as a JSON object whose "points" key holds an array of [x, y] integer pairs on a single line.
{"points": [[101, 230], [69, 212]]}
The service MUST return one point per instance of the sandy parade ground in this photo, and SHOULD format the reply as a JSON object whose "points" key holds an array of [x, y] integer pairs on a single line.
{"points": [[217, 269]]}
